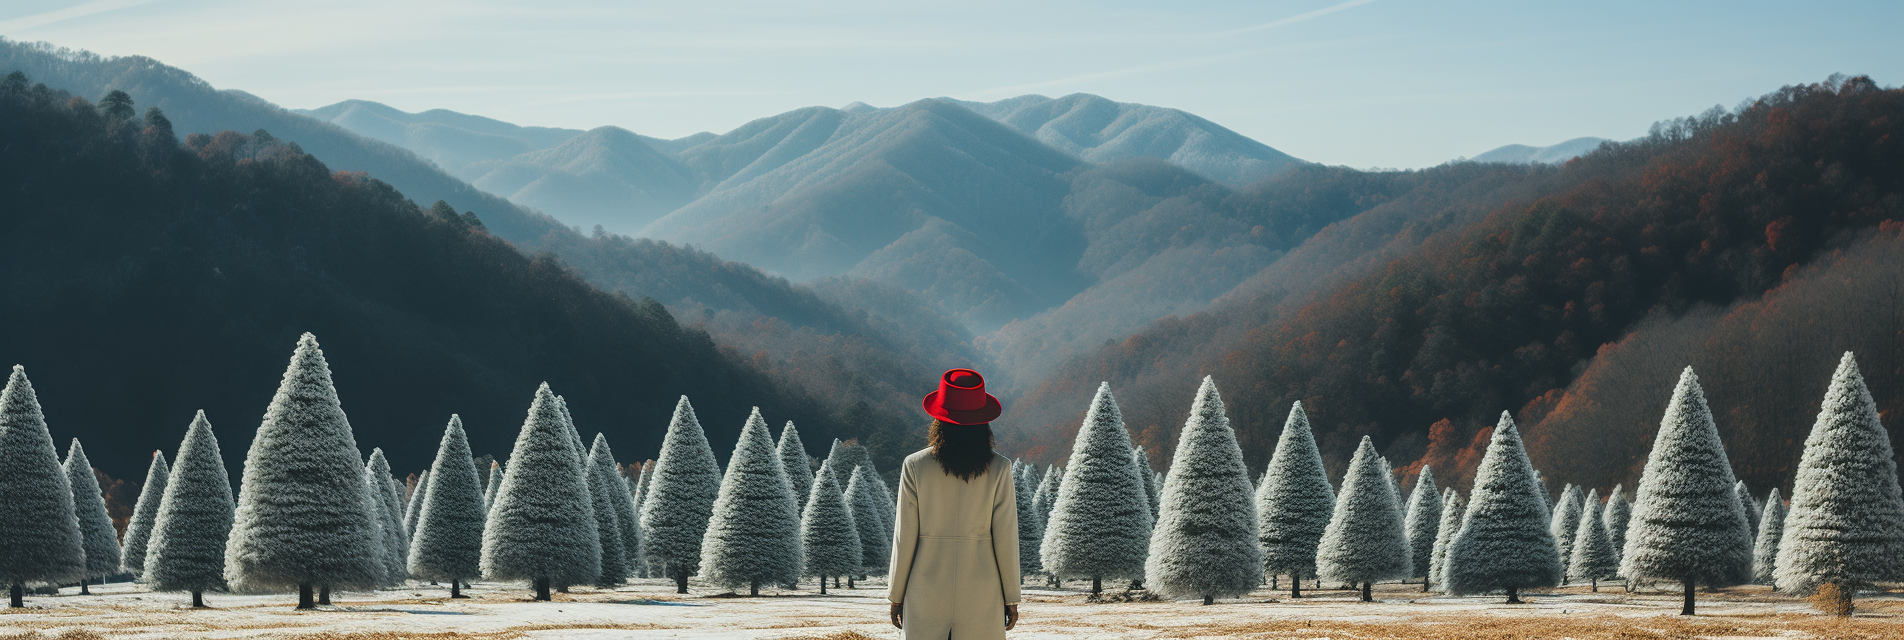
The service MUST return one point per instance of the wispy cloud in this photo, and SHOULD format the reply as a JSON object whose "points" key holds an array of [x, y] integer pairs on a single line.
{"points": [[1295, 18], [61, 15]]}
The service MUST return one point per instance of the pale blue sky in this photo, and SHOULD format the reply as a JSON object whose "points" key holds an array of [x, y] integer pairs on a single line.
{"points": [[1392, 83]]}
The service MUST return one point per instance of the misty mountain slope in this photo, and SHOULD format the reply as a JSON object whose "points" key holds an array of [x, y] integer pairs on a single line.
{"points": [[881, 176], [1099, 130], [1552, 154], [607, 176], [452, 140], [195, 107]]}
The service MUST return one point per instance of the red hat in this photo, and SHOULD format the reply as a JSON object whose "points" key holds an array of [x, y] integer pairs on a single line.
{"points": [[961, 399]]}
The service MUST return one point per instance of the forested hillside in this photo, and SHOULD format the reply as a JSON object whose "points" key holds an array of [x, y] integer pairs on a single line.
{"points": [[1507, 312], [147, 279]]}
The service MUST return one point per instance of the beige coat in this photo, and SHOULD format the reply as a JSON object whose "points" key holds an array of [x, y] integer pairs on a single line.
{"points": [[955, 550]]}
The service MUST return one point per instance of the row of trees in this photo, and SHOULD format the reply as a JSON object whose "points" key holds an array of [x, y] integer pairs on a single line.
{"points": [[312, 515], [1691, 522]]}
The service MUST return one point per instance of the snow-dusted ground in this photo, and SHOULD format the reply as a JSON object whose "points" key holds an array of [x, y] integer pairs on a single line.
{"points": [[650, 609]]}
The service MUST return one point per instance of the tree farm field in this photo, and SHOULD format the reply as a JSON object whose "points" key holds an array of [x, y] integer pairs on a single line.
{"points": [[649, 608]]}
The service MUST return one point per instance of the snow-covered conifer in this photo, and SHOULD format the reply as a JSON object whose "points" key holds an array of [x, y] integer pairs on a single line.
{"points": [[495, 483], [638, 493], [1565, 521], [1771, 530], [187, 548], [1687, 524], [865, 495], [846, 457], [1031, 527], [543, 528], [1546, 494], [396, 546], [1204, 544], [96, 532], [611, 506], [1751, 507], [680, 499], [1504, 543], [888, 509], [793, 455], [1153, 490], [1845, 525], [1617, 512], [415, 507], [1099, 526], [449, 534], [1423, 522], [1365, 540], [304, 517], [829, 537], [753, 536], [1592, 552], [1452, 509], [139, 529], [1294, 503]]}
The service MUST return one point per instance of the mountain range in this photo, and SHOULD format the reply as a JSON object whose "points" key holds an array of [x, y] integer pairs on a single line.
{"points": [[1551, 154]]}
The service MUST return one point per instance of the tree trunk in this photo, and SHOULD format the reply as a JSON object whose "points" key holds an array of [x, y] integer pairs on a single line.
{"points": [[456, 589], [1686, 608], [681, 582], [304, 596], [1596, 584], [1295, 584], [17, 594], [822, 585], [1366, 596], [1097, 585], [1424, 585], [753, 589], [562, 589], [198, 598], [1272, 582], [1513, 595], [850, 584], [324, 596], [1208, 600], [82, 587], [542, 589]]}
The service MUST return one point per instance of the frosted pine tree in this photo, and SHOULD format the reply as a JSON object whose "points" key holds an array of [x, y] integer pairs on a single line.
{"points": [[753, 536], [1099, 526], [1031, 528], [1204, 544], [1294, 503], [1565, 521], [793, 456], [1047, 496], [139, 528], [638, 493], [1365, 540], [415, 507], [680, 499], [1845, 525], [1153, 490], [888, 507], [847, 456], [611, 505], [1423, 524], [829, 537], [1751, 507], [1592, 551], [448, 546], [495, 483], [865, 495], [1771, 530], [304, 517], [1452, 509], [1504, 543], [1616, 514], [96, 533], [625, 515], [187, 547], [542, 528], [1687, 524], [389, 506]]}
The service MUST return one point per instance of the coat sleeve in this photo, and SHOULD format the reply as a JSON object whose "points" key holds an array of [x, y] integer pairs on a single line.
{"points": [[1005, 535], [905, 536]]}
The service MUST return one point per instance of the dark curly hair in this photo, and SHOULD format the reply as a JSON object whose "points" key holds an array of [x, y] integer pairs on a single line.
{"points": [[965, 450]]}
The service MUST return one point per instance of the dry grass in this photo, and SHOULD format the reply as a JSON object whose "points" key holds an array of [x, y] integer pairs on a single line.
{"points": [[837, 635], [1491, 627]]}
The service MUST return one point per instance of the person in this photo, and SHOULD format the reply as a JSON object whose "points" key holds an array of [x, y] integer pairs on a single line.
{"points": [[954, 572]]}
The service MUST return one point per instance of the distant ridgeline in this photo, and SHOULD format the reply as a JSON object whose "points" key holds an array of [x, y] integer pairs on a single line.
{"points": [[146, 279], [1757, 245]]}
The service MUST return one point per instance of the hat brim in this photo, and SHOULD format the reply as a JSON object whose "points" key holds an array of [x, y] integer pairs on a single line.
{"points": [[981, 415]]}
